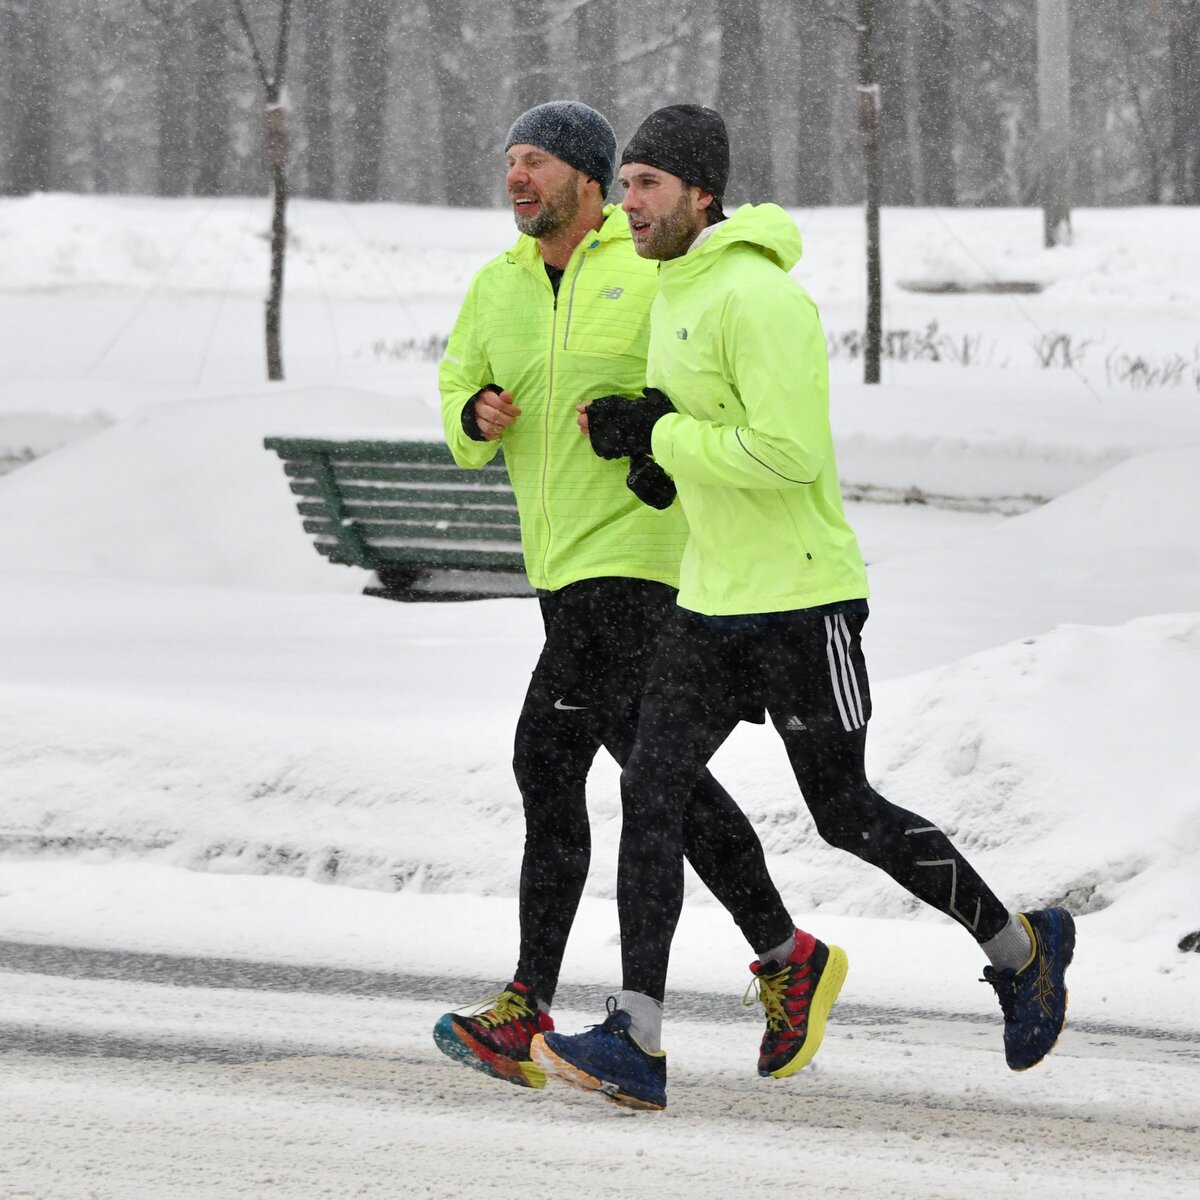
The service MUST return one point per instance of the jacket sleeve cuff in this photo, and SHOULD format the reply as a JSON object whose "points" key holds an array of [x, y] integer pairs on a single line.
{"points": [[470, 421]]}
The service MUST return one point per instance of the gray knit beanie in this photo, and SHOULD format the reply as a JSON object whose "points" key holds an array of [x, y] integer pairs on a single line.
{"points": [[572, 131]]}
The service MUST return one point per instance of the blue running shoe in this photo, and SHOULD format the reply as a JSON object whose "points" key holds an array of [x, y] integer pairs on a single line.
{"points": [[605, 1059], [1034, 999]]}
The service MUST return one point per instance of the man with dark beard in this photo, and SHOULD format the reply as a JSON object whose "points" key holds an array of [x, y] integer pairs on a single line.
{"points": [[560, 316], [773, 599]]}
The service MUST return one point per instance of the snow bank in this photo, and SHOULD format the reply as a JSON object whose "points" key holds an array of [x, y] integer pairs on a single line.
{"points": [[1123, 546], [185, 493], [1064, 766]]}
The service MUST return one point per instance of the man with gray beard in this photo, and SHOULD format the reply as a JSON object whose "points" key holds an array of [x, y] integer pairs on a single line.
{"points": [[559, 318]]}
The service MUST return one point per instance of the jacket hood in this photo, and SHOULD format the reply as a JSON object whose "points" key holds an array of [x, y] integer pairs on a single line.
{"points": [[766, 227], [615, 226]]}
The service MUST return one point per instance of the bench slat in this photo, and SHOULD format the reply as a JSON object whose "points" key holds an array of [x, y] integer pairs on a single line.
{"points": [[364, 450], [467, 514], [483, 560], [376, 532], [443, 495], [417, 475]]}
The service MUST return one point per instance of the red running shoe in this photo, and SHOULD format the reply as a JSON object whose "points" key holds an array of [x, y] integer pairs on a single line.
{"points": [[797, 998]]}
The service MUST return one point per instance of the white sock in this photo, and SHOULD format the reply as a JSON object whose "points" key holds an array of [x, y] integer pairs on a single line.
{"points": [[1011, 947], [645, 1019]]}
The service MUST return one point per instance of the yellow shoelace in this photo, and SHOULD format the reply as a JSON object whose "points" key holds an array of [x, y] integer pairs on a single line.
{"points": [[768, 990], [505, 1006]]}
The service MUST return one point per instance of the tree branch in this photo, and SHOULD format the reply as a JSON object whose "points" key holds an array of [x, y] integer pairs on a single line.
{"points": [[827, 12], [1149, 138], [281, 49], [672, 39], [240, 9]]}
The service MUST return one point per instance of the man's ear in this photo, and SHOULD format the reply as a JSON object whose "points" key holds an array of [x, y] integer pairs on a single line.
{"points": [[703, 199]]}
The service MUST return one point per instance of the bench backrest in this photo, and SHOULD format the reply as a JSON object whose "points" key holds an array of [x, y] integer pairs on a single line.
{"points": [[376, 504]]}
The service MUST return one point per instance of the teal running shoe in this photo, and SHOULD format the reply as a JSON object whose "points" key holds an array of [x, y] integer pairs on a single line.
{"points": [[496, 1039]]}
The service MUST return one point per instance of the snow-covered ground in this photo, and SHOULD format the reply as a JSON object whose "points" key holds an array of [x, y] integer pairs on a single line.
{"points": [[213, 746]]}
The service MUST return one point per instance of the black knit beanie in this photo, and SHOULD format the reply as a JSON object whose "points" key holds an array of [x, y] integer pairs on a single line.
{"points": [[687, 140], [572, 131]]}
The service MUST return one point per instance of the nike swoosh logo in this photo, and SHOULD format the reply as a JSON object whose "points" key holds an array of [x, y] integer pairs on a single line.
{"points": [[569, 707]]}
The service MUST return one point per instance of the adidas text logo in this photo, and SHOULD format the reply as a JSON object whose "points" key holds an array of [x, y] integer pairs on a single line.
{"points": [[612, 293], [794, 724]]}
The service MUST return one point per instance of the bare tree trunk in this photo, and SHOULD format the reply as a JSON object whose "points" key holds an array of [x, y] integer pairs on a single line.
{"points": [[212, 99], [813, 49], [534, 82], [317, 71], [277, 157], [366, 46], [869, 125], [1184, 56], [277, 154], [33, 119], [452, 78], [172, 100], [933, 61], [597, 41], [890, 51], [741, 98], [1054, 114]]}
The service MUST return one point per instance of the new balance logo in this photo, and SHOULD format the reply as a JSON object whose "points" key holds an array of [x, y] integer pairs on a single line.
{"points": [[612, 293], [794, 725], [681, 334]]}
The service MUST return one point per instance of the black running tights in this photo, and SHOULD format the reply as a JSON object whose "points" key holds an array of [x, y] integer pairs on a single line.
{"points": [[585, 692]]}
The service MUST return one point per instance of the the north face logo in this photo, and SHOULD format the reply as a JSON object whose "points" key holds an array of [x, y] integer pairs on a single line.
{"points": [[612, 293]]}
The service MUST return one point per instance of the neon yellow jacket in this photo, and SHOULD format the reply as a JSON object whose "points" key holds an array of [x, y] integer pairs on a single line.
{"points": [[578, 519], [737, 345]]}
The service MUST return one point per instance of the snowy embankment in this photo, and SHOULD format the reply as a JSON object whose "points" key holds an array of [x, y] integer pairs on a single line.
{"points": [[152, 709], [184, 680]]}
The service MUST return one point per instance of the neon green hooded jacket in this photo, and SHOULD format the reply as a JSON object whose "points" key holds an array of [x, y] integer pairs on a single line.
{"points": [[737, 345], [578, 519]]}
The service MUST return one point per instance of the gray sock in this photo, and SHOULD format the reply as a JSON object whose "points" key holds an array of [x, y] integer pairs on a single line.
{"points": [[1011, 947], [645, 1024], [779, 954]]}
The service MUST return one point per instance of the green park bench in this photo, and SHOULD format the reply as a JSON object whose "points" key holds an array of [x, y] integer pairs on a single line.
{"points": [[430, 530]]}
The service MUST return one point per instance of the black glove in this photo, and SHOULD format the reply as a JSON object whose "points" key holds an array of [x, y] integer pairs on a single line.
{"points": [[621, 428], [649, 482]]}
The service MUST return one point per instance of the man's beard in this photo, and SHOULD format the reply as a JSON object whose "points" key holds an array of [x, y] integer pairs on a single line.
{"points": [[556, 211], [670, 235]]}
